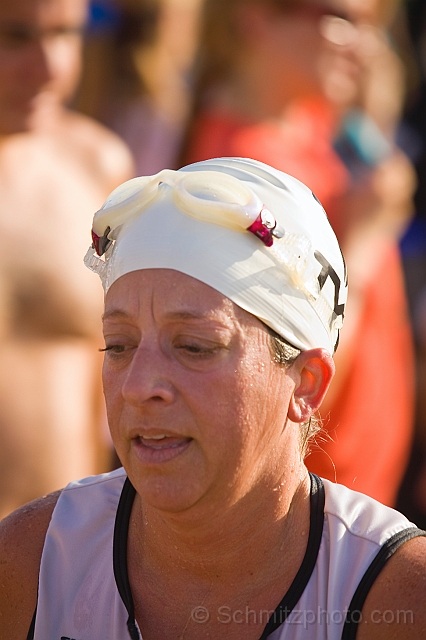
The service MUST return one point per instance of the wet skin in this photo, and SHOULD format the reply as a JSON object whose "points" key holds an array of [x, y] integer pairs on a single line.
{"points": [[187, 380]]}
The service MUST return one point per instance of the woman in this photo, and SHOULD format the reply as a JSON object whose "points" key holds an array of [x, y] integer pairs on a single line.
{"points": [[225, 291]]}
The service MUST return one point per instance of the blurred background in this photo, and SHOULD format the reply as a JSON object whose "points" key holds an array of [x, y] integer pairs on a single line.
{"points": [[137, 74], [331, 91]]}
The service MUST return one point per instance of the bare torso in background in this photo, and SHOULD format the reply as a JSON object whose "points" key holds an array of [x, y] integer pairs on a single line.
{"points": [[56, 169]]}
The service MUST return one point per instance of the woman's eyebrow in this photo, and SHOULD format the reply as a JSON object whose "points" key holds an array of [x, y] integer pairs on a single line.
{"points": [[115, 314]]}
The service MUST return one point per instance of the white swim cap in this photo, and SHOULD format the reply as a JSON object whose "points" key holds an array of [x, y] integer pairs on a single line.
{"points": [[255, 234]]}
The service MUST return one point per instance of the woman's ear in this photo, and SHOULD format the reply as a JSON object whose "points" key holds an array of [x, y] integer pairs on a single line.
{"points": [[312, 372]]}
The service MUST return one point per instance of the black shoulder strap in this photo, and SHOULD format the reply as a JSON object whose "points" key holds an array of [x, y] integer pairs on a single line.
{"points": [[353, 616], [31, 630], [302, 577], [121, 529]]}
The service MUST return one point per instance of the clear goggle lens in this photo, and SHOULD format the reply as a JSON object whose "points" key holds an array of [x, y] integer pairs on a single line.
{"points": [[209, 196]]}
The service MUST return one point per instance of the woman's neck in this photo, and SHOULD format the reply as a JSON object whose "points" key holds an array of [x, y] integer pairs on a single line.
{"points": [[222, 546]]}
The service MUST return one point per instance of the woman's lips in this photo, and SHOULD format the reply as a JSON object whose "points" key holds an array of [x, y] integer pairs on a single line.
{"points": [[157, 449]]}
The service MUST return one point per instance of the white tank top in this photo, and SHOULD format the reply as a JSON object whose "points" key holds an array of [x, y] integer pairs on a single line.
{"points": [[84, 592]]}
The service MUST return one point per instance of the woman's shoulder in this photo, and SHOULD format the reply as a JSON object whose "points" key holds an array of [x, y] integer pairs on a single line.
{"points": [[384, 562], [22, 536], [395, 605]]}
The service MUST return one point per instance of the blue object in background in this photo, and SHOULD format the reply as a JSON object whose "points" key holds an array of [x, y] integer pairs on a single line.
{"points": [[104, 16], [360, 144], [413, 242]]}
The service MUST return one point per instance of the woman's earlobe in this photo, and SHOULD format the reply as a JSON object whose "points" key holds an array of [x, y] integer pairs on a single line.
{"points": [[313, 371]]}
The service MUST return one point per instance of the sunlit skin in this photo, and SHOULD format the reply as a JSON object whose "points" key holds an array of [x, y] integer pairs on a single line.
{"points": [[183, 361]]}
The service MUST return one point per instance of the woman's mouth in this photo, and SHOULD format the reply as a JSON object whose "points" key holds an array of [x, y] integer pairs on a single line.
{"points": [[159, 448]]}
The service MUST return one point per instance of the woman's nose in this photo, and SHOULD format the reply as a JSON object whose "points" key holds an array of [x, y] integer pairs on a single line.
{"points": [[149, 380]]}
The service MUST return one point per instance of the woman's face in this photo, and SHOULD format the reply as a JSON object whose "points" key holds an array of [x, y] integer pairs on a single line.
{"points": [[196, 406]]}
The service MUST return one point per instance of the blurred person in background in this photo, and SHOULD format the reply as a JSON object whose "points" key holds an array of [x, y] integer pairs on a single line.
{"points": [[315, 89], [56, 166], [137, 58]]}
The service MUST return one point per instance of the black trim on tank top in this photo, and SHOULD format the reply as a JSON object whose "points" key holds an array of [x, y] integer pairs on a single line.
{"points": [[386, 551], [121, 530], [302, 577], [31, 630], [287, 604]]}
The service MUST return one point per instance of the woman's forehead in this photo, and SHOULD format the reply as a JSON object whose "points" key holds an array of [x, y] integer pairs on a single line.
{"points": [[172, 293]]}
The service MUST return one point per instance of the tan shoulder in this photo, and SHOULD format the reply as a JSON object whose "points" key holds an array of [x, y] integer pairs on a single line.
{"points": [[22, 536], [395, 607], [104, 152]]}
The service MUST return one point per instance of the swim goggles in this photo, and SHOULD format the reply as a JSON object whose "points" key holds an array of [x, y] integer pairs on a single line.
{"points": [[210, 196]]}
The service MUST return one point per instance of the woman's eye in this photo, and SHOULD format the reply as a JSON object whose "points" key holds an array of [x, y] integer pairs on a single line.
{"points": [[115, 348], [197, 350]]}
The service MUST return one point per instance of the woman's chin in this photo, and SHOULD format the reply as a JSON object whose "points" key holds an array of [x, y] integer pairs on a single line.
{"points": [[168, 494]]}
